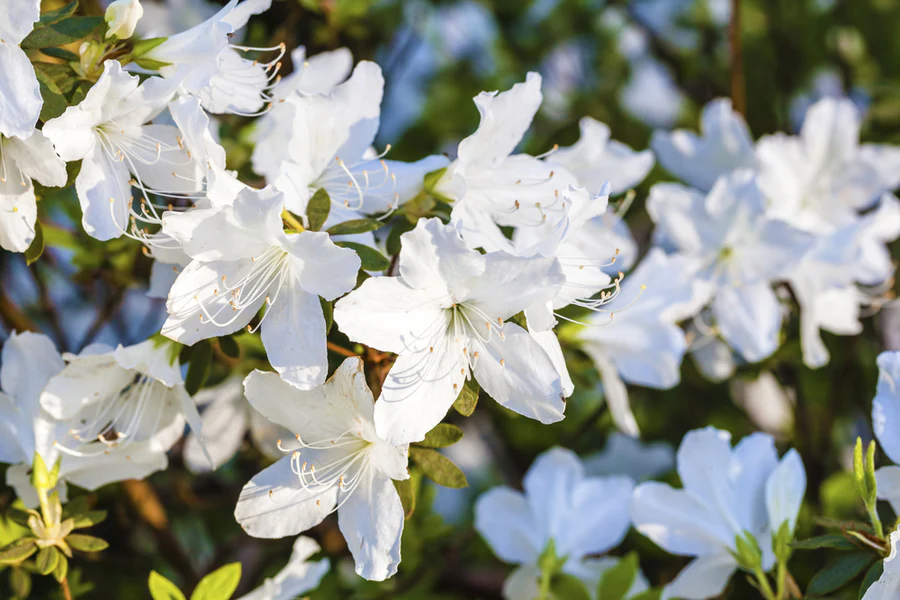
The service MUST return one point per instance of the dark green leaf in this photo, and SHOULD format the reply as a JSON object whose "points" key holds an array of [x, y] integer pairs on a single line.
{"points": [[220, 584], [62, 76], [871, 577], [36, 249], [832, 540], [443, 435], [653, 594], [53, 16], [17, 551], [46, 560], [370, 259], [60, 53], [86, 543], [617, 580], [438, 467], [198, 369], [467, 400], [839, 572], [328, 313], [354, 226], [62, 33], [318, 208], [144, 46], [20, 582], [398, 228], [229, 347], [407, 494], [568, 587], [431, 179], [89, 518], [62, 568], [163, 589], [54, 101], [77, 96]]}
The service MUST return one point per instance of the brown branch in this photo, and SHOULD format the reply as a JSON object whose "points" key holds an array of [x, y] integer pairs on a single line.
{"points": [[738, 84], [12, 315], [151, 511], [341, 350], [67, 593]]}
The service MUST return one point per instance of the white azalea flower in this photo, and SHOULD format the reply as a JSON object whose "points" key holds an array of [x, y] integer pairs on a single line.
{"points": [[31, 362], [228, 417], [20, 94], [642, 344], [204, 63], [122, 17], [445, 318], [339, 464], [243, 260], [725, 145], [109, 131], [490, 185], [299, 576], [888, 585], [595, 159], [324, 142], [738, 251], [583, 516], [166, 17], [819, 180], [885, 421], [727, 493], [120, 397], [21, 161], [626, 455]]}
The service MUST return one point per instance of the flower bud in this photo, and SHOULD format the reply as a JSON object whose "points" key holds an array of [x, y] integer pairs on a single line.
{"points": [[122, 17]]}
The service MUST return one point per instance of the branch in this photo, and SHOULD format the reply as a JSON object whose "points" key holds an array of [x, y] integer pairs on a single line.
{"points": [[738, 91], [341, 350]]}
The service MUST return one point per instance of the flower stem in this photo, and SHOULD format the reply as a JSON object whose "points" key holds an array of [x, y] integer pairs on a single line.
{"points": [[67, 593], [546, 578], [764, 586]]}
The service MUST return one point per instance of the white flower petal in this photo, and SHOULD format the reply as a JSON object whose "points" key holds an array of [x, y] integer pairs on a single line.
{"points": [[504, 519], [224, 427], [293, 334], [784, 491], [704, 577], [20, 96], [372, 523], [104, 194]]}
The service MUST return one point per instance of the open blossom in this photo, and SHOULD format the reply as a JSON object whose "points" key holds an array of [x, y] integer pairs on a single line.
{"points": [[122, 17], [299, 576], [20, 95], [338, 463], [243, 260], [111, 133], [203, 62], [227, 419], [727, 493], [31, 363], [885, 423], [324, 142], [22, 161], [725, 144], [582, 516], [642, 343], [888, 585], [595, 159], [491, 186], [446, 317], [738, 252]]}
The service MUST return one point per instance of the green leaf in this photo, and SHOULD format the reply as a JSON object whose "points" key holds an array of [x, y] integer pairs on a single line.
{"points": [[654, 594], [371, 259], [407, 493], [86, 543], [89, 519], [62, 568], [17, 516], [62, 76], [46, 560], [54, 16], [438, 467], [839, 572], [220, 584], [568, 587], [54, 101], [144, 46], [872, 575], [229, 347], [17, 551], [36, 249], [61, 54], [20, 582], [318, 208], [328, 313], [149, 63], [467, 400], [443, 435], [62, 32], [398, 228], [832, 540], [617, 580], [431, 179], [354, 226], [198, 369], [163, 589]]}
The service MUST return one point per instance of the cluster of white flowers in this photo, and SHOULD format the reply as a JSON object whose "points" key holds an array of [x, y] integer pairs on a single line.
{"points": [[530, 255]]}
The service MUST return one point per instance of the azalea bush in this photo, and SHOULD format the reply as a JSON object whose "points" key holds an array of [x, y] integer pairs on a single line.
{"points": [[537, 301]]}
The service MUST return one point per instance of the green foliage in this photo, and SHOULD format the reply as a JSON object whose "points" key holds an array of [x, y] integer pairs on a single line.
{"points": [[617, 580], [220, 584], [443, 435], [467, 400], [62, 32], [199, 366], [355, 226], [438, 467], [318, 208], [839, 571], [163, 589], [371, 259]]}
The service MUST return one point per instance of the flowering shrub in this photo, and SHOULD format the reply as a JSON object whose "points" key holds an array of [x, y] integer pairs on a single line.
{"points": [[252, 350]]}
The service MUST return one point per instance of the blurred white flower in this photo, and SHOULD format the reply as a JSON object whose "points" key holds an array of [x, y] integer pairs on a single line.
{"points": [[338, 464], [299, 576], [888, 585], [20, 95], [627, 455]]}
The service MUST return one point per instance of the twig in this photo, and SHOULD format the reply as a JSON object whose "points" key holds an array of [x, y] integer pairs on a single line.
{"points": [[341, 350], [738, 91], [67, 593], [47, 306], [12, 315]]}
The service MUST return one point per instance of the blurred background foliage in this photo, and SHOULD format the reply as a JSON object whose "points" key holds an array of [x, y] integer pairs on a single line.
{"points": [[633, 64]]}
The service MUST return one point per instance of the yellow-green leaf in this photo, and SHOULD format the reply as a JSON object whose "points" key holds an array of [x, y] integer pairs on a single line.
{"points": [[443, 435], [46, 560], [220, 584], [163, 589], [438, 467], [468, 398], [86, 543]]}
